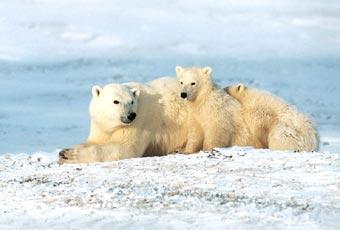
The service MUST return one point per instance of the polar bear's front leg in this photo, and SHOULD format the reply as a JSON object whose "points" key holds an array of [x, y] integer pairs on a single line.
{"points": [[99, 153], [195, 137], [195, 141], [215, 139]]}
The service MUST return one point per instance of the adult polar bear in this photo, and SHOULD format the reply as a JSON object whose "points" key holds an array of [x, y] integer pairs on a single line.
{"points": [[133, 120]]}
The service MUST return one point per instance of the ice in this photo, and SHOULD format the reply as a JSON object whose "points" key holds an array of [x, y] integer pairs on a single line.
{"points": [[44, 105]]}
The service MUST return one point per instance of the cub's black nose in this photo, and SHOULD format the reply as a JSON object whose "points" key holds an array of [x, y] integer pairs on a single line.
{"points": [[184, 95], [132, 116]]}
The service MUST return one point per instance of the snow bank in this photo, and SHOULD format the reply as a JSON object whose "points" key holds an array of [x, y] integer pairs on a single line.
{"points": [[235, 187]]}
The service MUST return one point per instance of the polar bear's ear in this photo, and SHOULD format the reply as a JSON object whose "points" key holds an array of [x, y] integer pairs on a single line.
{"points": [[135, 92], [207, 70], [96, 90], [179, 70], [240, 88]]}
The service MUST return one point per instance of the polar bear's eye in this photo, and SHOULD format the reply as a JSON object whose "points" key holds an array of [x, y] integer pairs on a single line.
{"points": [[193, 83], [131, 102], [181, 82], [116, 102]]}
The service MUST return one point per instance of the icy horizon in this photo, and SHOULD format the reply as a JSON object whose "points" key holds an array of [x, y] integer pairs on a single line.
{"points": [[58, 30]]}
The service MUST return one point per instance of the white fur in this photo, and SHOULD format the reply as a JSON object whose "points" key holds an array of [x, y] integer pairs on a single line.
{"points": [[273, 123], [160, 126], [214, 110]]}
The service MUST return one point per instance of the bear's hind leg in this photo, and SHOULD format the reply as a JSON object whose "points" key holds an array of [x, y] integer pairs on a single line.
{"points": [[283, 137]]}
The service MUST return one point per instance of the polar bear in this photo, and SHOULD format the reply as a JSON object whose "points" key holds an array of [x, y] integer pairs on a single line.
{"points": [[215, 111], [273, 123], [132, 120]]}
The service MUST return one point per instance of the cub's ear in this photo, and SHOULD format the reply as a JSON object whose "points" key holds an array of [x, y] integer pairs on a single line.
{"points": [[207, 70], [135, 92], [96, 90], [179, 70], [240, 88]]}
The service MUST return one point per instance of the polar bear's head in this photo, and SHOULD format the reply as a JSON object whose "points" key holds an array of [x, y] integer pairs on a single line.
{"points": [[114, 105], [237, 91], [192, 80]]}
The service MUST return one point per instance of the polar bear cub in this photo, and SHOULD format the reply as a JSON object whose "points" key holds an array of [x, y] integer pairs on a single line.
{"points": [[273, 123], [215, 111]]}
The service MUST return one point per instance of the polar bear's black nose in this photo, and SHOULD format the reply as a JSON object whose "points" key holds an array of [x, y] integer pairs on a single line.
{"points": [[184, 95], [131, 116]]}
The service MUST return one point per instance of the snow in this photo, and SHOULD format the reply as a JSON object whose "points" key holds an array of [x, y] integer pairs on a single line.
{"points": [[53, 51], [235, 187]]}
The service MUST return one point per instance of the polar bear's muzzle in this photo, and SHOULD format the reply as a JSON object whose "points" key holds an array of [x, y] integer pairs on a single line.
{"points": [[184, 95], [129, 118], [187, 95]]}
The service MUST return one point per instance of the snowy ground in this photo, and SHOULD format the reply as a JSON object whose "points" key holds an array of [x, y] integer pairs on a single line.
{"points": [[53, 51], [238, 188]]}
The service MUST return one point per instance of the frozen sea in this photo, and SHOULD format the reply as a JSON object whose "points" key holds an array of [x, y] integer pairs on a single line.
{"points": [[52, 52]]}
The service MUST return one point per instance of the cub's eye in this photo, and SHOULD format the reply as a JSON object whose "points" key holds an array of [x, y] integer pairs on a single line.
{"points": [[181, 82], [116, 102], [193, 83], [131, 102]]}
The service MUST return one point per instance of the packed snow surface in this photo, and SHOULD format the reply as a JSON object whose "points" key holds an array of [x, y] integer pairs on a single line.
{"points": [[235, 187]]}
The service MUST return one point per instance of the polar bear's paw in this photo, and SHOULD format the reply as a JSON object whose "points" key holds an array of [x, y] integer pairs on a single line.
{"points": [[77, 155], [67, 156]]}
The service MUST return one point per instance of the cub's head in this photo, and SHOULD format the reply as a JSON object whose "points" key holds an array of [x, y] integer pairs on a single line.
{"points": [[114, 105], [192, 80], [237, 91]]}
